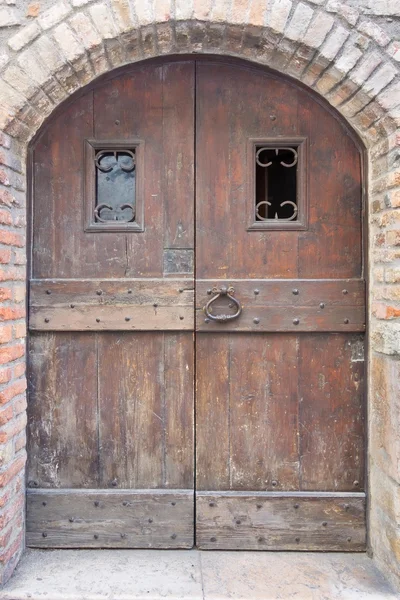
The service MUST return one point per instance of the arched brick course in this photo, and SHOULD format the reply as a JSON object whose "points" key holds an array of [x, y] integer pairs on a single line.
{"points": [[338, 49]]}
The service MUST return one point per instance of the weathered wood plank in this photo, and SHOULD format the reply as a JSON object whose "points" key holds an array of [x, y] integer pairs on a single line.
{"points": [[100, 292], [286, 319], [332, 412], [111, 318], [62, 410], [287, 292], [268, 521], [110, 519]]}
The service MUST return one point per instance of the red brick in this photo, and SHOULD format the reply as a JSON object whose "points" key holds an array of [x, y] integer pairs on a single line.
{"points": [[19, 257], [8, 313], [20, 221], [5, 497], [11, 353], [6, 415], [13, 428], [5, 538], [393, 238], [4, 140], [5, 293], [15, 547], [6, 198], [382, 311], [5, 375], [11, 471], [19, 370], [5, 256], [5, 217], [12, 239], [5, 334], [12, 390], [4, 178], [14, 274]]}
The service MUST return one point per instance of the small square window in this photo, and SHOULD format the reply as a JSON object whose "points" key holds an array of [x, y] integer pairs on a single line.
{"points": [[278, 185], [112, 193]]}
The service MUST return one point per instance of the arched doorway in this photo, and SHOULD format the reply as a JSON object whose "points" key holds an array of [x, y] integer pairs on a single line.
{"points": [[197, 314]]}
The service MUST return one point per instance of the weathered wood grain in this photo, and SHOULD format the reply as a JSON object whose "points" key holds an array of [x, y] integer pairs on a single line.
{"points": [[109, 519], [268, 521]]}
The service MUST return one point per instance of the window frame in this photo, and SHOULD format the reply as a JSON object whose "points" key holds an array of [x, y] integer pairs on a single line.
{"points": [[302, 199], [91, 146]]}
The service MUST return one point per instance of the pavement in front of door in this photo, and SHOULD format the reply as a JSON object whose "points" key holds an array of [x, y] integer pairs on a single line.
{"points": [[195, 575]]}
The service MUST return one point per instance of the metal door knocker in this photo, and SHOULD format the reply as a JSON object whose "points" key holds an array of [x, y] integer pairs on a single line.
{"points": [[222, 291]]}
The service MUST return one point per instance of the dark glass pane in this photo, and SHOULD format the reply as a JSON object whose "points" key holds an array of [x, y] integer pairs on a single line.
{"points": [[115, 186], [276, 183]]}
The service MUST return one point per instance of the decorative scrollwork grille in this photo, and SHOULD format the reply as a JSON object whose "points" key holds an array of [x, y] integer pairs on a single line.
{"points": [[276, 183], [115, 186]]}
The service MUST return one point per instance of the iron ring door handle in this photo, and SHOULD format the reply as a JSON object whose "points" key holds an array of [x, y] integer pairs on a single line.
{"points": [[223, 291]]}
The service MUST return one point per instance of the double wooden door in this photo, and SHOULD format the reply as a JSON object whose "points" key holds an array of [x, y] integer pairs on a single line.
{"points": [[196, 312]]}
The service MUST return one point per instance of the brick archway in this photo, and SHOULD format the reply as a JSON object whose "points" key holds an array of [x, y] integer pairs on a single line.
{"points": [[344, 57]]}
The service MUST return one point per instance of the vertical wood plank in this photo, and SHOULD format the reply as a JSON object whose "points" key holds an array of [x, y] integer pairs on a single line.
{"points": [[331, 412], [264, 412], [62, 421], [212, 412]]}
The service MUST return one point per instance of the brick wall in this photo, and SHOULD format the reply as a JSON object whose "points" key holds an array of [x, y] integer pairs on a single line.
{"points": [[348, 52]]}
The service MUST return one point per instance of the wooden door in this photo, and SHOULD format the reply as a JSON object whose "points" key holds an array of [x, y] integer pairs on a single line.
{"points": [[279, 404], [111, 317], [273, 334]]}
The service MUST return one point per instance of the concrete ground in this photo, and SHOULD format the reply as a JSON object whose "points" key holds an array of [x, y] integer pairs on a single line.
{"points": [[194, 575]]}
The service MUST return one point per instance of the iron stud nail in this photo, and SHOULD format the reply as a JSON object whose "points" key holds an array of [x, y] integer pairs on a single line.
{"points": [[346, 321], [99, 292], [296, 506], [238, 522], [256, 292], [296, 321], [123, 535], [96, 537], [274, 483], [173, 503], [181, 290], [47, 320], [181, 318], [44, 534], [261, 539], [297, 539], [345, 292], [356, 482], [150, 520], [117, 121], [295, 292], [71, 519], [211, 504], [155, 304], [114, 483], [259, 506], [127, 318], [206, 320], [322, 305], [125, 503], [256, 320], [213, 539], [48, 292], [98, 320], [272, 117], [72, 305], [209, 292], [44, 503], [129, 291], [324, 524], [97, 503], [173, 536], [347, 507], [349, 539]]}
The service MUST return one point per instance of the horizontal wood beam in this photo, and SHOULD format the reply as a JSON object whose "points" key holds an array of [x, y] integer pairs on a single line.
{"points": [[285, 305], [275, 521], [69, 518], [114, 305]]}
